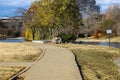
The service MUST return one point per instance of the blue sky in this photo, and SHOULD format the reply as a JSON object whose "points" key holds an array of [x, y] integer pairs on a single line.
{"points": [[105, 3], [7, 7]]}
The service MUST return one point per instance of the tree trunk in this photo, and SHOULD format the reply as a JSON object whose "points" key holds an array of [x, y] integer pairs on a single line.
{"points": [[53, 34], [118, 32], [33, 35]]}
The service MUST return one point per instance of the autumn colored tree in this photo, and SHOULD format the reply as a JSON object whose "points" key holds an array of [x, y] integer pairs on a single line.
{"points": [[113, 14], [50, 17], [29, 19]]}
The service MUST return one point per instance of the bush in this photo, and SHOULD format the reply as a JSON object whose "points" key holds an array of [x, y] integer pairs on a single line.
{"points": [[67, 37]]}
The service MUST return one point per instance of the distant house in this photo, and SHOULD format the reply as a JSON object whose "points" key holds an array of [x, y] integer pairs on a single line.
{"points": [[11, 24]]}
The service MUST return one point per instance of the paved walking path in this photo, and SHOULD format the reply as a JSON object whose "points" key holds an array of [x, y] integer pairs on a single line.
{"points": [[27, 64], [57, 64]]}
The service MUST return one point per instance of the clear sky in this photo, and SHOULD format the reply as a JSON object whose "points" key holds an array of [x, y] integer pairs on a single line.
{"points": [[105, 3], [7, 7]]}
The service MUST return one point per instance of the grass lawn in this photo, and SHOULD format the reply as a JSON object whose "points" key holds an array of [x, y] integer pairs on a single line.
{"points": [[16, 52], [113, 39], [19, 52], [97, 62], [7, 72]]}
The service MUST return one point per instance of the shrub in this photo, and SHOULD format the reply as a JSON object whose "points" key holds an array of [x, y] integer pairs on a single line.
{"points": [[67, 37]]}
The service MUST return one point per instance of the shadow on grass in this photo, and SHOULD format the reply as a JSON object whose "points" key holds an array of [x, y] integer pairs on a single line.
{"points": [[79, 67]]}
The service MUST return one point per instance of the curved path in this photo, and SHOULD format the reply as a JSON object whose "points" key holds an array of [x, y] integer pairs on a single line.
{"points": [[57, 64]]}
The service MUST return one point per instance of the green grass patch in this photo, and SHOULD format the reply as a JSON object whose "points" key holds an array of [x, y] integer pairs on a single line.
{"points": [[98, 64]]}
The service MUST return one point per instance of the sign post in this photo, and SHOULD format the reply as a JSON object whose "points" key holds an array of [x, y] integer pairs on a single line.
{"points": [[109, 32]]}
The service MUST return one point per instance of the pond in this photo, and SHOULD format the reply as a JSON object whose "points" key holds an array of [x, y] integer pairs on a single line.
{"points": [[113, 44], [13, 40]]}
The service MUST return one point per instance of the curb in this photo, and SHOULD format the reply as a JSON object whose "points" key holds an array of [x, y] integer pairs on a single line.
{"points": [[27, 68]]}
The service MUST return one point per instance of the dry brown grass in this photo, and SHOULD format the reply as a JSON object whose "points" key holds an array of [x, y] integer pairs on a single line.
{"points": [[7, 72], [19, 52], [91, 47], [97, 62], [16, 52], [113, 39]]}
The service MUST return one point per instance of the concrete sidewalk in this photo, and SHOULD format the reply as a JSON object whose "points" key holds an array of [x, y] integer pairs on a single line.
{"points": [[57, 64], [26, 64]]}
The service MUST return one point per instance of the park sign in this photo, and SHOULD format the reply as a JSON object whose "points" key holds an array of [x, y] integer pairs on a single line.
{"points": [[109, 31]]}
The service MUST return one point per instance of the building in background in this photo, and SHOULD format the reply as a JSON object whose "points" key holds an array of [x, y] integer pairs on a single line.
{"points": [[11, 26]]}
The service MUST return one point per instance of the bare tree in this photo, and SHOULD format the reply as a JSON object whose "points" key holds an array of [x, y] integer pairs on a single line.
{"points": [[28, 17], [113, 13]]}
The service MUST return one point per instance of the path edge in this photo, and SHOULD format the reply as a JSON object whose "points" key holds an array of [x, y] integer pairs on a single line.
{"points": [[27, 68]]}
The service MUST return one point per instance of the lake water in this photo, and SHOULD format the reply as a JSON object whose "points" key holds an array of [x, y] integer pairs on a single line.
{"points": [[13, 40], [113, 44]]}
